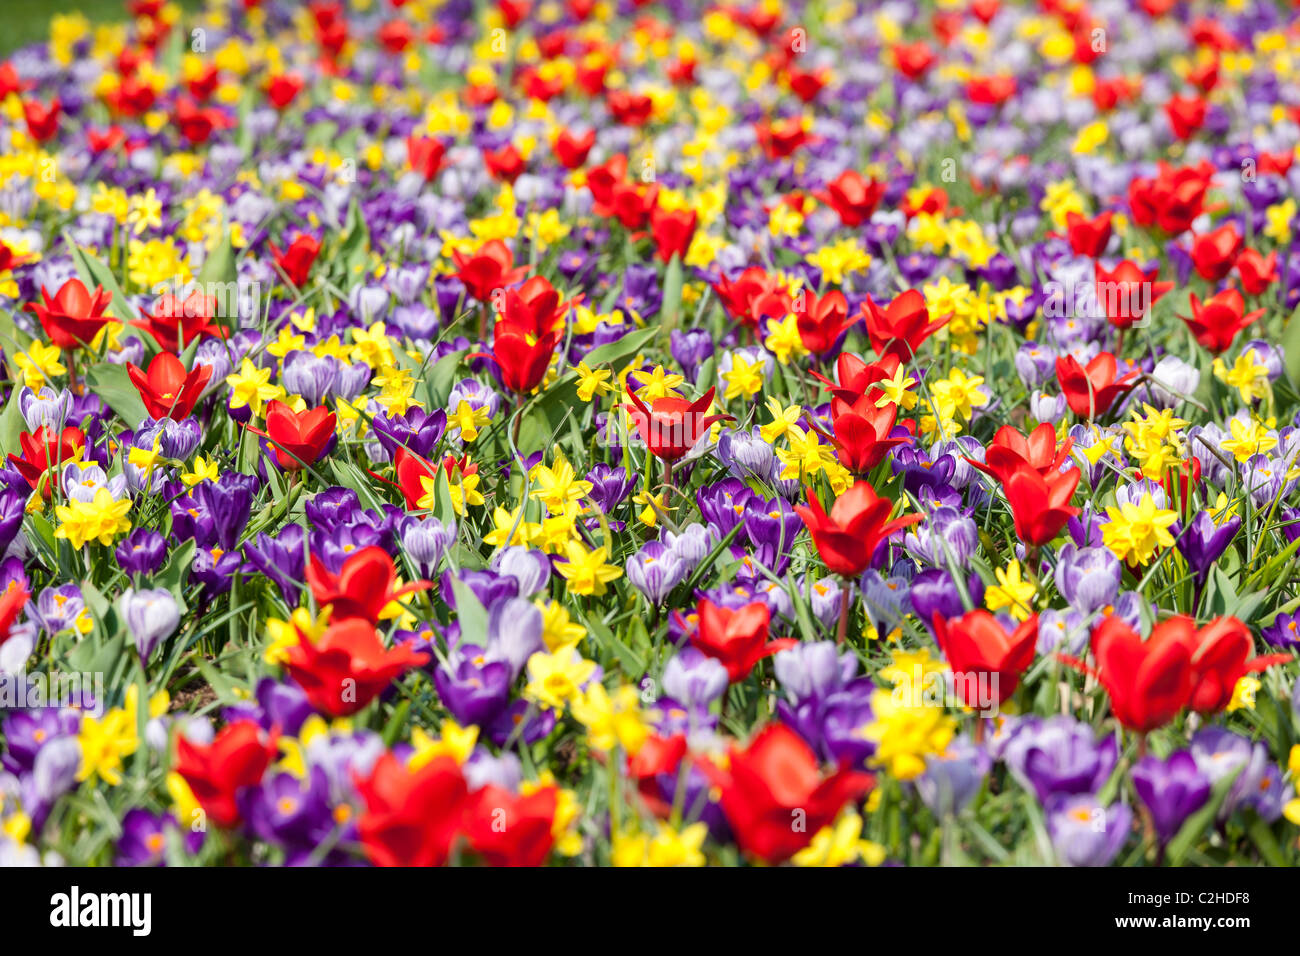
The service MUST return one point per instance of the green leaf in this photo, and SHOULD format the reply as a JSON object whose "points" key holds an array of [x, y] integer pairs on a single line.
{"points": [[471, 614], [671, 309], [112, 383], [1291, 348]]}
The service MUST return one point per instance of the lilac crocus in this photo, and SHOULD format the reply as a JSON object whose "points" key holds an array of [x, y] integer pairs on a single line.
{"points": [[1084, 832], [1088, 578], [952, 778], [655, 570], [152, 615]]}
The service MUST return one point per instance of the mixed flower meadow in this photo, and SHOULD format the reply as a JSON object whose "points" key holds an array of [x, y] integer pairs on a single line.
{"points": [[602, 432]]}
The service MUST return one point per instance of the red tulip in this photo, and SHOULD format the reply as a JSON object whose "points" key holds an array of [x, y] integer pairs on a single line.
{"points": [[74, 316], [1171, 200], [412, 470], [299, 438], [504, 164], [425, 154], [630, 109], [857, 377], [1215, 253], [176, 322], [781, 138], [1186, 115], [1088, 237], [1010, 450], [821, 321], [806, 84], [990, 90], [534, 308], [1217, 322], [913, 60], [752, 286], [1126, 293], [521, 361], [981, 651], [672, 232], [412, 817], [282, 90], [1257, 272], [46, 450], [572, 150], [508, 829], [395, 35], [901, 327], [1040, 504], [1090, 390], [347, 667], [42, 121], [1149, 681], [1221, 657], [362, 589], [296, 261], [12, 601], [861, 433], [196, 124], [853, 196], [219, 771], [109, 139], [671, 426], [774, 796], [858, 523], [489, 269], [10, 259], [168, 390], [738, 639]]}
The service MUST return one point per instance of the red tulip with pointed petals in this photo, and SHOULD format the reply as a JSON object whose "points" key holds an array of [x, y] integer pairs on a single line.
{"points": [[1215, 253], [735, 638], [900, 327], [774, 782], [74, 316], [1149, 681], [1040, 504], [45, 450], [217, 772], [1088, 237], [1220, 658], [300, 438], [1216, 322], [509, 829], [167, 389], [985, 659], [1009, 450], [1126, 293], [858, 523], [671, 426], [1091, 389], [411, 816], [491, 268], [821, 320], [296, 261], [347, 667], [362, 589], [853, 196]]}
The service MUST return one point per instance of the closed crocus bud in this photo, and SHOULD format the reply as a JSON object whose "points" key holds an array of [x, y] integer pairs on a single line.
{"points": [[55, 770], [1088, 578], [1047, 408], [152, 615], [952, 778], [691, 545], [745, 454], [655, 570], [1035, 363], [694, 679], [351, 381], [1172, 381], [531, 568], [426, 540], [311, 376]]}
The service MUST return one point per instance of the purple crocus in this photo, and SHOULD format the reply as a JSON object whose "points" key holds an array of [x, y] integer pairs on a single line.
{"points": [[952, 778], [1202, 542], [1172, 789], [1088, 578], [1060, 755]]}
